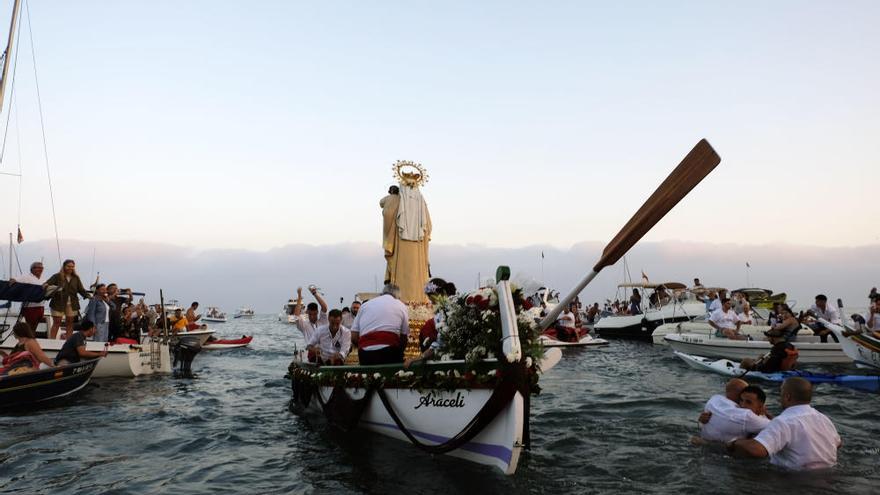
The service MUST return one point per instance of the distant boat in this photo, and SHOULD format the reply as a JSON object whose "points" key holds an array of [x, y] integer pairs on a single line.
{"points": [[214, 315], [244, 312], [286, 315]]}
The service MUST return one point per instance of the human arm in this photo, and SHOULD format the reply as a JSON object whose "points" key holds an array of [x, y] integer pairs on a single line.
{"points": [[747, 447], [81, 290], [298, 307], [320, 299], [34, 348]]}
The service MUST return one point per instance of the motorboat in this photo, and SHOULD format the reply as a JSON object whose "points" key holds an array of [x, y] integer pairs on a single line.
{"points": [[682, 305], [221, 344], [214, 315], [810, 349], [244, 312], [763, 298], [863, 348], [549, 339], [702, 327], [286, 315], [726, 367], [28, 385]]}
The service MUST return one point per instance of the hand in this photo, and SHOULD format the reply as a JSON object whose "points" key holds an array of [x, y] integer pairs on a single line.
{"points": [[705, 416], [299, 291], [313, 290]]}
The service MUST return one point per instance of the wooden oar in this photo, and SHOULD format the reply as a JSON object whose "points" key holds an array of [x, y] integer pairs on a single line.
{"points": [[693, 169]]}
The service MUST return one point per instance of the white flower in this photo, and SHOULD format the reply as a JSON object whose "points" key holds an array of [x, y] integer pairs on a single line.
{"points": [[511, 357], [401, 373], [456, 373], [528, 362], [439, 373], [446, 357], [492, 372], [376, 376]]}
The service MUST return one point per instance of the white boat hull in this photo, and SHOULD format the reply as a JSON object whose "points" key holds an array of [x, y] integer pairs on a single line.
{"points": [[123, 360], [641, 326], [704, 345], [585, 341], [214, 320], [863, 349], [703, 328], [286, 318], [435, 416]]}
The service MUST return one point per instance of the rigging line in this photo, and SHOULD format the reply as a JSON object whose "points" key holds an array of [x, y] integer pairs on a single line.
{"points": [[14, 106], [17, 261], [12, 97], [43, 129]]}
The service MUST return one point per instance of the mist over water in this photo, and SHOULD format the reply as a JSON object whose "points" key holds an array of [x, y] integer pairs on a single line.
{"points": [[616, 419]]}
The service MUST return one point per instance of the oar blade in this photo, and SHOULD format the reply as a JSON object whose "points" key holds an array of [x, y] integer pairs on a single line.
{"points": [[694, 168]]}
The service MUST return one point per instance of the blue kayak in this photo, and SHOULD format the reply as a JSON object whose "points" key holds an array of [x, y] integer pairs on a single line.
{"points": [[726, 367]]}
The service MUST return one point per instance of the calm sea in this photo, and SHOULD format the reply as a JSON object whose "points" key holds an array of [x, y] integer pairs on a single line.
{"points": [[613, 420]]}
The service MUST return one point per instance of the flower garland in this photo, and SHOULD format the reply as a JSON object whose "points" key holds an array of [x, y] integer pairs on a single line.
{"points": [[470, 327]]}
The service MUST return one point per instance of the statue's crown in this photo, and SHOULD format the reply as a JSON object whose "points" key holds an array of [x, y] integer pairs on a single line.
{"points": [[409, 173]]}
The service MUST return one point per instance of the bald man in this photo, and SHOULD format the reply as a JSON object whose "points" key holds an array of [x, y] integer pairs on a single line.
{"points": [[727, 420], [800, 438]]}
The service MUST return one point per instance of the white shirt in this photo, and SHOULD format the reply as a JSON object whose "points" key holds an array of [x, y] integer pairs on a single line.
{"points": [[715, 305], [801, 438], [876, 321], [106, 312], [381, 314], [29, 278], [566, 319], [307, 327], [331, 345], [830, 314], [725, 319], [729, 421]]}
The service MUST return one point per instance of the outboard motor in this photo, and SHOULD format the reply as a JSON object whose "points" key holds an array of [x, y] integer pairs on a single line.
{"points": [[184, 351]]}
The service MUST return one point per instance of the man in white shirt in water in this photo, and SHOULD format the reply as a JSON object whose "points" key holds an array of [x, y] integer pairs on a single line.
{"points": [[308, 323], [800, 438], [739, 413]]}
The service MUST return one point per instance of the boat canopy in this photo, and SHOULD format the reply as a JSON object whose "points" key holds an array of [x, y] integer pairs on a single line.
{"points": [[666, 285], [755, 290], [21, 292]]}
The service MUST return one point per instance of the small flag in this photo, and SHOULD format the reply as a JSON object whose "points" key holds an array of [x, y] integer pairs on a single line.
{"points": [[542, 254], [748, 265], [20, 236], [644, 277]]}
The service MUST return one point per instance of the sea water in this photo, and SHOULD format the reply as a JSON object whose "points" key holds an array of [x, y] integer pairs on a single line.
{"points": [[610, 420]]}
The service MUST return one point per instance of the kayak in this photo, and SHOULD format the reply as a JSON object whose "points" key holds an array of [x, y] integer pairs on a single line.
{"points": [[867, 383], [216, 345]]}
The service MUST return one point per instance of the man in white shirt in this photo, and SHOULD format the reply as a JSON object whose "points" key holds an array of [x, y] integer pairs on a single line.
{"points": [[828, 313], [348, 319], [308, 323], [726, 322], [800, 438], [714, 303], [739, 413], [32, 311], [331, 343], [381, 328]]}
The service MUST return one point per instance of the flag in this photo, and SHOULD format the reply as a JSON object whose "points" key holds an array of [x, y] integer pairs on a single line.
{"points": [[644, 277], [20, 236], [748, 265], [542, 254]]}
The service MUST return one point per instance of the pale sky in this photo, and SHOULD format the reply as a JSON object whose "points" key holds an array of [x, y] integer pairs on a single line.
{"points": [[260, 124]]}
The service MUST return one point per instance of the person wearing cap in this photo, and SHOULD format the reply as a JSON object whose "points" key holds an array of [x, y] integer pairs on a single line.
{"points": [[826, 312], [33, 311], [74, 348], [800, 438], [782, 356], [308, 323]]}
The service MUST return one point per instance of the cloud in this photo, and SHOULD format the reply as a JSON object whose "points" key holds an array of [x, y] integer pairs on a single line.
{"points": [[266, 279]]}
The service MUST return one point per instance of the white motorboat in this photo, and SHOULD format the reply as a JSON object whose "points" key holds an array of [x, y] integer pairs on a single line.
{"points": [[286, 315], [584, 341], [703, 328], [124, 360], [810, 349], [682, 306], [214, 315], [244, 312]]}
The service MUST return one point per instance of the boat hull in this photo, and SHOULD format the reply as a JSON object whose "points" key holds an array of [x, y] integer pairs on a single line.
{"points": [[863, 349], [585, 341], [737, 350], [44, 385], [703, 328]]}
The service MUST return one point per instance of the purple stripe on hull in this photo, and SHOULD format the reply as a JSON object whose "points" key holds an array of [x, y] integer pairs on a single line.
{"points": [[497, 451]]}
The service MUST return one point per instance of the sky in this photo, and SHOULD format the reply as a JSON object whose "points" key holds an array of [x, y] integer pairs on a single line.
{"points": [[259, 125]]}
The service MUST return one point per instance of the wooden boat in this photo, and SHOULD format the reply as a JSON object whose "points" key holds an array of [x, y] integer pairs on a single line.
{"points": [[867, 383], [703, 328], [863, 348], [810, 349], [220, 344], [26, 388]]}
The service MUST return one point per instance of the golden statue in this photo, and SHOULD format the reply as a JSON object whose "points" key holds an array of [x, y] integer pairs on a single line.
{"points": [[406, 233]]}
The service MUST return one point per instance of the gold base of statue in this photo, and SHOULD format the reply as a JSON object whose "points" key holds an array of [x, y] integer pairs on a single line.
{"points": [[419, 313]]}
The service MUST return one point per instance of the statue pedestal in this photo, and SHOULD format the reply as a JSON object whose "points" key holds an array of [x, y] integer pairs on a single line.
{"points": [[419, 313]]}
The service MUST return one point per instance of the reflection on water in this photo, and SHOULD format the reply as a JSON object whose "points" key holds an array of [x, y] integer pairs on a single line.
{"points": [[609, 420]]}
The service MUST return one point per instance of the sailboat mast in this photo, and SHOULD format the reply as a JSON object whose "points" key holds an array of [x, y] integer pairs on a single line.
{"points": [[7, 54]]}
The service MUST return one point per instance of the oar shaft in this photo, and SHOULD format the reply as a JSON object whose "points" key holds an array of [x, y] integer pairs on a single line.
{"points": [[554, 313]]}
